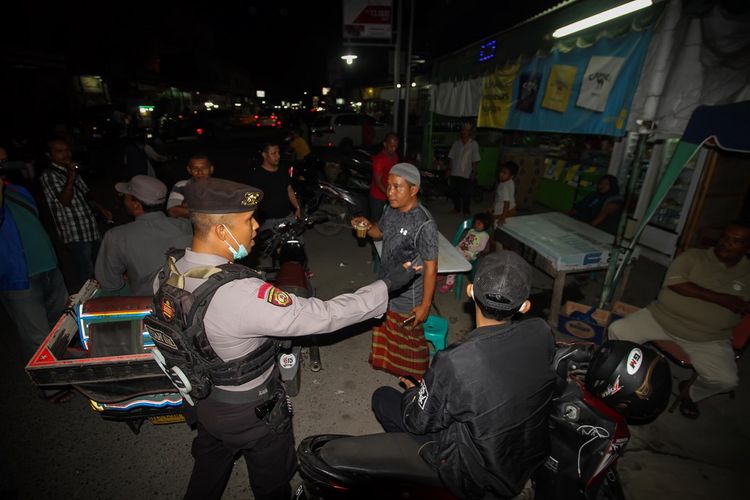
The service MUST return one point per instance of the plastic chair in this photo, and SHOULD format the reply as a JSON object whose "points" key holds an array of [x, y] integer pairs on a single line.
{"points": [[436, 332], [675, 353]]}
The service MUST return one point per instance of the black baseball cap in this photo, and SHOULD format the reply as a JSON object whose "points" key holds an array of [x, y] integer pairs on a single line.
{"points": [[502, 281], [220, 196]]}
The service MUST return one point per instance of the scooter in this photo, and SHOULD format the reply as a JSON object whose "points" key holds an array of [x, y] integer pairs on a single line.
{"points": [[587, 437]]}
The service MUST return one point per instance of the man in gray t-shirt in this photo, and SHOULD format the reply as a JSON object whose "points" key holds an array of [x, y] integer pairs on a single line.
{"points": [[409, 234], [407, 237]]}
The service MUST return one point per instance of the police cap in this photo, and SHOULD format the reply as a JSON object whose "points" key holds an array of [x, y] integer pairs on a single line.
{"points": [[220, 196]]}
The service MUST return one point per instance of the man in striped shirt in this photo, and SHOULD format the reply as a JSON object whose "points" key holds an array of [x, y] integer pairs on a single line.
{"points": [[69, 199]]}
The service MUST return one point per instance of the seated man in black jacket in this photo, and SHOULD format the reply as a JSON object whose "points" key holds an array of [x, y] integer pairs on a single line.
{"points": [[482, 406]]}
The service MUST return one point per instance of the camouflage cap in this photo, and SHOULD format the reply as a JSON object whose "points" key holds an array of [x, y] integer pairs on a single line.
{"points": [[220, 196]]}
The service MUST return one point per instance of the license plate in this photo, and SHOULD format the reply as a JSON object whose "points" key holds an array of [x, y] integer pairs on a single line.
{"points": [[166, 419]]}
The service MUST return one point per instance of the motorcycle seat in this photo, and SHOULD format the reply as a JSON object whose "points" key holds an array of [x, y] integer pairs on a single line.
{"points": [[392, 456]]}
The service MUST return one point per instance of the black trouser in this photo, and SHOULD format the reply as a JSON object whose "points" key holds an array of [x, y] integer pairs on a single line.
{"points": [[227, 430], [461, 194], [386, 404]]}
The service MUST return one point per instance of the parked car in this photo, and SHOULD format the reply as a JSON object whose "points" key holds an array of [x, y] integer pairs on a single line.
{"points": [[267, 118], [347, 130]]}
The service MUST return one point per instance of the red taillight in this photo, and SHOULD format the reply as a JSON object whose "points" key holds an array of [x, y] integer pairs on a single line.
{"points": [[199, 131], [278, 123], [255, 117], [330, 144]]}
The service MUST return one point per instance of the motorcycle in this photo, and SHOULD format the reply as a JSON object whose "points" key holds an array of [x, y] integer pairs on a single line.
{"points": [[290, 273], [334, 204], [587, 437]]}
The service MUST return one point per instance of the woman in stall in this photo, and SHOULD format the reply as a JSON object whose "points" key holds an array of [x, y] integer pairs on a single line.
{"points": [[601, 208]]}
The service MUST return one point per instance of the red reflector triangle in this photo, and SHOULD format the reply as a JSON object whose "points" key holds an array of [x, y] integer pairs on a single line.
{"points": [[43, 357]]}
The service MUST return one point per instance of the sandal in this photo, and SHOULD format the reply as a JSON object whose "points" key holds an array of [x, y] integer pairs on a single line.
{"points": [[688, 407]]}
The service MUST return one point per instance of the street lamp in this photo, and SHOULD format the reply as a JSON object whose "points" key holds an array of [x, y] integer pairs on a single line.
{"points": [[349, 58]]}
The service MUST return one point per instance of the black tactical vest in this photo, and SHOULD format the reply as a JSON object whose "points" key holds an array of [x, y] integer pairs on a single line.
{"points": [[176, 327]]}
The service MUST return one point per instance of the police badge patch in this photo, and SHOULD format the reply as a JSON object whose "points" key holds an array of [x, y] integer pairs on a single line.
{"points": [[279, 297], [423, 395], [167, 309]]}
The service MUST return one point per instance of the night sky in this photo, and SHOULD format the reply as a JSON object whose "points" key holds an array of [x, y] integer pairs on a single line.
{"points": [[285, 45]]}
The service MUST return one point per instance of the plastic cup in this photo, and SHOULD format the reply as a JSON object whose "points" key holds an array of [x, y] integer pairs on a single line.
{"points": [[362, 230]]}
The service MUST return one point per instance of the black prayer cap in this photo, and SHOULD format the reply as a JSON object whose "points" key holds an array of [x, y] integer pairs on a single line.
{"points": [[220, 196], [502, 280]]}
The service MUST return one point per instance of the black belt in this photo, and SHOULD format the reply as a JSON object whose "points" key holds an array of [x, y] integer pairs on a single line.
{"points": [[259, 394]]}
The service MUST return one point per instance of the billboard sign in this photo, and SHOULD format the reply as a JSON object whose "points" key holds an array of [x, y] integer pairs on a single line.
{"points": [[368, 19]]}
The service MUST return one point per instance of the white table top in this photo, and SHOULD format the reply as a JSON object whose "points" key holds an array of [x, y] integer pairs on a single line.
{"points": [[450, 259], [568, 244]]}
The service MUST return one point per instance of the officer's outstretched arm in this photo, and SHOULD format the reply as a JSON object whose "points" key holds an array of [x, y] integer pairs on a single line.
{"points": [[269, 311]]}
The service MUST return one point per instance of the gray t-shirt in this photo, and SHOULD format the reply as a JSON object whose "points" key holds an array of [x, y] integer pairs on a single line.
{"points": [[410, 236]]}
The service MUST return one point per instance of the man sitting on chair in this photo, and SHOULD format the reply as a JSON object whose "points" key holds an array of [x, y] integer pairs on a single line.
{"points": [[704, 296]]}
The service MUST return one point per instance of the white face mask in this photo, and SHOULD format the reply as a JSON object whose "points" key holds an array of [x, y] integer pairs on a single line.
{"points": [[241, 250]]}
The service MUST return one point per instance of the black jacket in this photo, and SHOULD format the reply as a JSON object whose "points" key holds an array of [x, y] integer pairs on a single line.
{"points": [[486, 401]]}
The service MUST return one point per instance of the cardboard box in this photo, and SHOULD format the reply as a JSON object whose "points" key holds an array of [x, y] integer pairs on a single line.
{"points": [[569, 324], [622, 309]]}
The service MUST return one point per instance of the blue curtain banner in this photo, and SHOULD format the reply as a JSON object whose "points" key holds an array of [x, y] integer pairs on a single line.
{"points": [[607, 72]]}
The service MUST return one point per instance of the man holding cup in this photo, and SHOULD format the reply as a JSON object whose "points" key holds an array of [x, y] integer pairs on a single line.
{"points": [[409, 233]]}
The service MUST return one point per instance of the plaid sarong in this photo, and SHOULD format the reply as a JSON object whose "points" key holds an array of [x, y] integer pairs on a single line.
{"points": [[399, 350]]}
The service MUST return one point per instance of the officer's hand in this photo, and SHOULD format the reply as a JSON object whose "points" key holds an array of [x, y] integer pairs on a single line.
{"points": [[399, 277]]}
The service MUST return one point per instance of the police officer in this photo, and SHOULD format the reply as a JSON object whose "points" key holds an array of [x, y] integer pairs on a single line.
{"points": [[249, 417]]}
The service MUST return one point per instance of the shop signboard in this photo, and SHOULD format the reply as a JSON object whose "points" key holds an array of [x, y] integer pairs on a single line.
{"points": [[368, 19]]}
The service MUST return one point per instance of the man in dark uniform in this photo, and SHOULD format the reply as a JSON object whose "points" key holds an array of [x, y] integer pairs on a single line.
{"points": [[481, 408], [240, 318]]}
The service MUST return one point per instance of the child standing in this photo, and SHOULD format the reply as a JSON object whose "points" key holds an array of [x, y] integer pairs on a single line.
{"points": [[472, 244], [505, 194]]}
